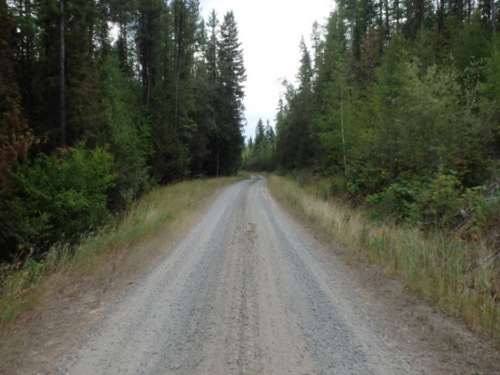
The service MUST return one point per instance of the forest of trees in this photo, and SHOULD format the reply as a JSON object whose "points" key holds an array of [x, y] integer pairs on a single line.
{"points": [[398, 103], [102, 99], [260, 152]]}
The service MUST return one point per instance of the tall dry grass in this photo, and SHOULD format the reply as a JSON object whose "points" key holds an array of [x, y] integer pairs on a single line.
{"points": [[462, 278], [155, 222]]}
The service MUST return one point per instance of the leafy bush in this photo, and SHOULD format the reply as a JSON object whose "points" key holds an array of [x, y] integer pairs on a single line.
{"points": [[397, 200], [425, 200], [58, 197], [482, 207], [364, 180], [438, 202], [339, 185]]}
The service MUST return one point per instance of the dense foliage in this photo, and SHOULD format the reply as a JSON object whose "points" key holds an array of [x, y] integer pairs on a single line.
{"points": [[399, 103], [260, 153], [100, 99]]}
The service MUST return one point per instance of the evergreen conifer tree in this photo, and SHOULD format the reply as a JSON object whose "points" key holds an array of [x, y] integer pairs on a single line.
{"points": [[229, 143]]}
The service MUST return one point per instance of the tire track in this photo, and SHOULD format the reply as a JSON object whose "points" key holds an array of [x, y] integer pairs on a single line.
{"points": [[248, 291]]}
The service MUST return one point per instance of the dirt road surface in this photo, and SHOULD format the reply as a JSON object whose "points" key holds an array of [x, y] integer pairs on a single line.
{"points": [[251, 291]]}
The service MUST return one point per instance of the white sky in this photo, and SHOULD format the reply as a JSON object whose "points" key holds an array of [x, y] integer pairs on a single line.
{"points": [[270, 33]]}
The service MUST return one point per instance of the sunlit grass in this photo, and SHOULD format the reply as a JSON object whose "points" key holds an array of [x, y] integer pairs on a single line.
{"points": [[460, 277]]}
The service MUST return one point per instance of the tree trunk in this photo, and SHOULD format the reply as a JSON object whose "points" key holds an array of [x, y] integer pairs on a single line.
{"points": [[420, 15], [353, 26], [218, 162], [342, 129], [493, 15], [179, 28], [62, 75], [396, 11], [387, 22], [440, 15]]}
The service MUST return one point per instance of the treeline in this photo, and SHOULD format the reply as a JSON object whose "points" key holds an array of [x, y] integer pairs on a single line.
{"points": [[260, 152], [398, 102], [100, 100]]}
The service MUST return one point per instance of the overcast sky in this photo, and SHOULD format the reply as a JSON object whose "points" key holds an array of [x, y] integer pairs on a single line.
{"points": [[270, 32]]}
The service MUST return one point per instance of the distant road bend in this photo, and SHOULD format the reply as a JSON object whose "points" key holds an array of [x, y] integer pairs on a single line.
{"points": [[248, 291]]}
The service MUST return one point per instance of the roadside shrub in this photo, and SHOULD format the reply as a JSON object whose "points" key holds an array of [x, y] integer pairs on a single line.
{"points": [[397, 200], [438, 202], [426, 201], [364, 180], [339, 185], [58, 197], [482, 208], [302, 176]]}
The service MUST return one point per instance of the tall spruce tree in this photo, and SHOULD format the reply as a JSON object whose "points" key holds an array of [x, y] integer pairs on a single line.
{"points": [[229, 139], [259, 133], [185, 14], [294, 143]]}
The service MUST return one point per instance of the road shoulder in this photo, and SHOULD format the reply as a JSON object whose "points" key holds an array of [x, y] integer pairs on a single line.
{"points": [[449, 345]]}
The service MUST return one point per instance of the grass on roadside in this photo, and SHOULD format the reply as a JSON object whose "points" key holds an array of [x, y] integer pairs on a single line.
{"points": [[460, 277], [114, 254]]}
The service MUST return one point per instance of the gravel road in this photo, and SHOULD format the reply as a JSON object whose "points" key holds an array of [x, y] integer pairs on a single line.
{"points": [[248, 291]]}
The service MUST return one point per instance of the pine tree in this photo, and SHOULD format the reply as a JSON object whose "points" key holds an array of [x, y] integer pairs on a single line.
{"points": [[15, 137], [232, 70], [211, 48], [294, 144], [40, 90], [148, 39], [259, 133], [185, 14], [305, 75], [229, 142], [269, 133], [332, 126]]}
